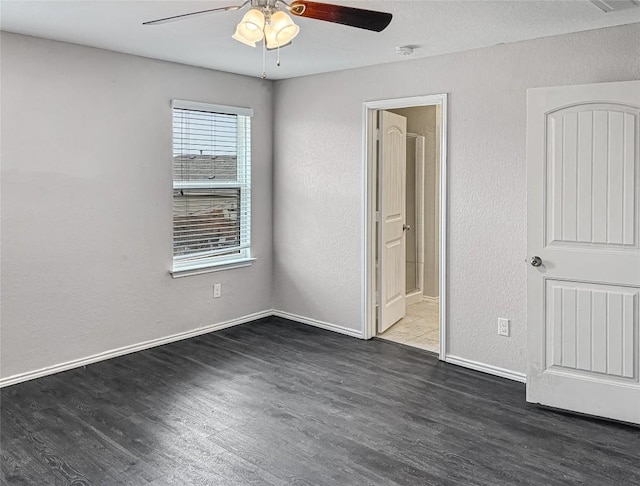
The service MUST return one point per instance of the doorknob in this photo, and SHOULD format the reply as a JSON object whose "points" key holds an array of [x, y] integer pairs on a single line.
{"points": [[535, 261], [406, 227]]}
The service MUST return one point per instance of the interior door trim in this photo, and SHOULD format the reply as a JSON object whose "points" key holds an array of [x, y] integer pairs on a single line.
{"points": [[368, 223]]}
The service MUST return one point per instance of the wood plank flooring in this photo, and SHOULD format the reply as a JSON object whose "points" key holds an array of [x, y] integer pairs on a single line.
{"points": [[275, 402]]}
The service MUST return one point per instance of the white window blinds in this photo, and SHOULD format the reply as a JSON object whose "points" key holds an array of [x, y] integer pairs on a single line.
{"points": [[211, 184]]}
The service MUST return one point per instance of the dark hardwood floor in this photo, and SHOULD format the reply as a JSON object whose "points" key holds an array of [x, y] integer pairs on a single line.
{"points": [[275, 402]]}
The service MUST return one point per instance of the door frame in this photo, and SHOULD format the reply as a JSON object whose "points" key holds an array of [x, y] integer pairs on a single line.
{"points": [[369, 194]]}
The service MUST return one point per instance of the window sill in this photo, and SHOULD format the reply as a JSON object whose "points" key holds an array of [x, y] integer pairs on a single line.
{"points": [[216, 267]]}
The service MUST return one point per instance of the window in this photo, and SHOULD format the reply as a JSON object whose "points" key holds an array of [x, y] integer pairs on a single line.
{"points": [[211, 185]]}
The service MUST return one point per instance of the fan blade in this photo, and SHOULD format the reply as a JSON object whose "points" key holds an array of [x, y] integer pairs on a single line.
{"points": [[193, 14], [353, 17]]}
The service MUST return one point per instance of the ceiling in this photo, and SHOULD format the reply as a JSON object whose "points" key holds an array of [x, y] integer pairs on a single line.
{"points": [[434, 27]]}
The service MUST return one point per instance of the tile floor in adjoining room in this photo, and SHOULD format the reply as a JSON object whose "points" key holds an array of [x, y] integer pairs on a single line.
{"points": [[419, 327]]}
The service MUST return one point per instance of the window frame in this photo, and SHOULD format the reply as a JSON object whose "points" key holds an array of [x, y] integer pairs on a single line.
{"points": [[189, 264]]}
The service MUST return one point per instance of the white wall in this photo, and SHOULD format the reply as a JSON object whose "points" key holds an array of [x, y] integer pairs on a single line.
{"points": [[318, 179], [86, 203]]}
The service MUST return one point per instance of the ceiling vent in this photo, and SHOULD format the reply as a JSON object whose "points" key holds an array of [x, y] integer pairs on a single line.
{"points": [[613, 5]]}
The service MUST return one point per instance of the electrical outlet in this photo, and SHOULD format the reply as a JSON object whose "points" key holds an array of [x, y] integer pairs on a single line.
{"points": [[503, 327], [217, 290]]}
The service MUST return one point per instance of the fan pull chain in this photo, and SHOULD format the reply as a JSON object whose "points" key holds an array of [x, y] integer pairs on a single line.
{"points": [[264, 58], [278, 61]]}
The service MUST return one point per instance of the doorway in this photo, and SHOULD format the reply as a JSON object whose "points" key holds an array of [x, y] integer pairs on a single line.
{"points": [[404, 293]]}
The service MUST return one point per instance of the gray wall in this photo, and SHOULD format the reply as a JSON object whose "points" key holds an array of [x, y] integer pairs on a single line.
{"points": [[318, 179], [86, 203]]}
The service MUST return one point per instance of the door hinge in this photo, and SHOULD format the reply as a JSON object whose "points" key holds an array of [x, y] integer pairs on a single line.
{"points": [[377, 134], [377, 298], [377, 216]]}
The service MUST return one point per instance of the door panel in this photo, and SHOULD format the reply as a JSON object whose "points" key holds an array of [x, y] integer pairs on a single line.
{"points": [[583, 199], [392, 208], [590, 328], [592, 203], [393, 250]]}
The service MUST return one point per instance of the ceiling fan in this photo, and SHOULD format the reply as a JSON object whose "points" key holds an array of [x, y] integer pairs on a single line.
{"points": [[268, 21]]}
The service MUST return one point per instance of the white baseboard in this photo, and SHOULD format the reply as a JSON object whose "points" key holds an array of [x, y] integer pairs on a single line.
{"points": [[414, 298], [485, 368], [30, 375], [431, 299], [321, 324]]}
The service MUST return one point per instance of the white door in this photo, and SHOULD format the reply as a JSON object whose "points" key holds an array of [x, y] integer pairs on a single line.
{"points": [[583, 182], [392, 175]]}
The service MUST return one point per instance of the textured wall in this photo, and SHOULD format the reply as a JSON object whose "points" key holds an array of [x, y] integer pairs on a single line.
{"points": [[318, 178], [86, 203]]}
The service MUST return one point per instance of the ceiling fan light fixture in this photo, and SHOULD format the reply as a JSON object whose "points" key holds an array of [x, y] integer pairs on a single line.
{"points": [[238, 36], [270, 37], [283, 28], [251, 27]]}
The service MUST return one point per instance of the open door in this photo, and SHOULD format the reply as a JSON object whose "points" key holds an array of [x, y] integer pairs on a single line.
{"points": [[583, 285], [392, 224]]}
